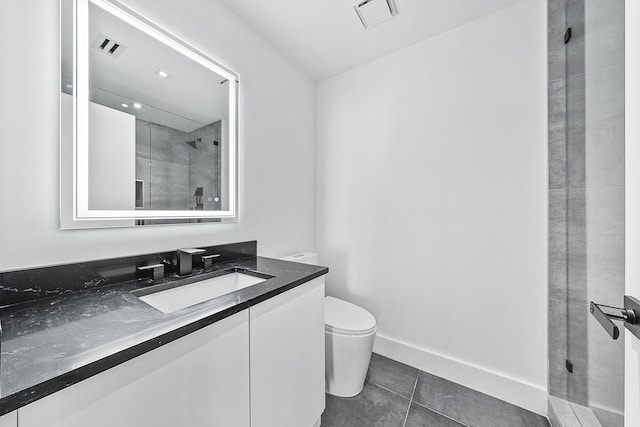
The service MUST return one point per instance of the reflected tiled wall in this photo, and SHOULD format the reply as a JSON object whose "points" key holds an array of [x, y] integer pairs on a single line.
{"points": [[204, 164], [162, 161], [586, 200]]}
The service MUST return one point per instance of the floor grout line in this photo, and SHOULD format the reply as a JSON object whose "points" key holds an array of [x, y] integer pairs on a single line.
{"points": [[389, 390], [415, 384], [440, 413], [401, 382]]}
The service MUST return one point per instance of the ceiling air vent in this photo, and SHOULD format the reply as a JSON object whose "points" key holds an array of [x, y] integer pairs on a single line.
{"points": [[374, 12], [108, 45]]}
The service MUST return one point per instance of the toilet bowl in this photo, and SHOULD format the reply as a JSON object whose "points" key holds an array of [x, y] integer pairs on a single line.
{"points": [[349, 334]]}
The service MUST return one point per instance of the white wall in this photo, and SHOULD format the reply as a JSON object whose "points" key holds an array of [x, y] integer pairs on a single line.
{"points": [[431, 201], [277, 117], [112, 156]]}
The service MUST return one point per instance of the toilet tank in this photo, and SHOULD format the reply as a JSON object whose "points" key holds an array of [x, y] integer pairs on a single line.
{"points": [[302, 257]]}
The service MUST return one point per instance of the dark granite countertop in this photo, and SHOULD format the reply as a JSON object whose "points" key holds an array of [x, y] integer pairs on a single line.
{"points": [[53, 342]]}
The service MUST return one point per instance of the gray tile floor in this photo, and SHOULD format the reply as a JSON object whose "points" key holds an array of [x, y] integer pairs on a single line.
{"points": [[399, 395]]}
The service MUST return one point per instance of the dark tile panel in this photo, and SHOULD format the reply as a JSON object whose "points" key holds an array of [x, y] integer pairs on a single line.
{"points": [[577, 302], [578, 352], [557, 17], [168, 144], [576, 148], [557, 93], [392, 375], [558, 375], [169, 186], [557, 268]]}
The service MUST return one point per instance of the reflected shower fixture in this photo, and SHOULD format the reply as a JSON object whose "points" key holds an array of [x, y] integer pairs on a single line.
{"points": [[198, 195], [193, 144]]}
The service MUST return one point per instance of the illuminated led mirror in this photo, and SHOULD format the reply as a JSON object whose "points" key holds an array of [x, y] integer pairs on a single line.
{"points": [[148, 123]]}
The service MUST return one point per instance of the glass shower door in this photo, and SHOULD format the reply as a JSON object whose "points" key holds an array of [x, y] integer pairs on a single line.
{"points": [[594, 205]]}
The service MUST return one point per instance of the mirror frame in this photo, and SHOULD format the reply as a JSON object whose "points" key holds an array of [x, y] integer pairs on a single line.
{"points": [[80, 196]]}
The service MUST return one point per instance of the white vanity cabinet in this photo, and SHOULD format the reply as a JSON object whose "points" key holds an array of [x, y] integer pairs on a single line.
{"points": [[262, 367], [287, 358], [9, 420], [201, 379]]}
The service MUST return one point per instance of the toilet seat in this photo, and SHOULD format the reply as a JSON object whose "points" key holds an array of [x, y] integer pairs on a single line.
{"points": [[344, 318]]}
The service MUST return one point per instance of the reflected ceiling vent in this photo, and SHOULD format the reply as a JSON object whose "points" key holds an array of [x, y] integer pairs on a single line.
{"points": [[374, 12], [108, 45]]}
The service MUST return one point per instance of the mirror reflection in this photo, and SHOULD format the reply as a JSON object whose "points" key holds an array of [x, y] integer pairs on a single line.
{"points": [[158, 122]]}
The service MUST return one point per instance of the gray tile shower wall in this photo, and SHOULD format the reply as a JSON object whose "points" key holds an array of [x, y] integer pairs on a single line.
{"points": [[566, 170], [162, 162], [586, 197], [171, 170], [205, 164], [604, 146]]}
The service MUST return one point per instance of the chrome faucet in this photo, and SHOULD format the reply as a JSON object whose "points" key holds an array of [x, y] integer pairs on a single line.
{"points": [[185, 260]]}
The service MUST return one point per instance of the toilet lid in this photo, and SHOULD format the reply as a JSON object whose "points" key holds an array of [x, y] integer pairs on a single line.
{"points": [[345, 318]]}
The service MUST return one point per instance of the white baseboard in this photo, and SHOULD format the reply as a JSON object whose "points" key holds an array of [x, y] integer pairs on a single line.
{"points": [[512, 390], [607, 416]]}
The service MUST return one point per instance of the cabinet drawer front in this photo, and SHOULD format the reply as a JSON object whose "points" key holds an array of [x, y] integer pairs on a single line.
{"points": [[201, 379], [9, 420], [287, 358]]}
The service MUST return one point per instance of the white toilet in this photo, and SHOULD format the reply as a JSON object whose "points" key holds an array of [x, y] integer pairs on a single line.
{"points": [[349, 332]]}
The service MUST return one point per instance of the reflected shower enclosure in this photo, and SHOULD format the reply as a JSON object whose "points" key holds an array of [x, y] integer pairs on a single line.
{"points": [[179, 168]]}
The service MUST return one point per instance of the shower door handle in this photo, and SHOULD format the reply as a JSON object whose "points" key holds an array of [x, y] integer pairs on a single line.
{"points": [[630, 315]]}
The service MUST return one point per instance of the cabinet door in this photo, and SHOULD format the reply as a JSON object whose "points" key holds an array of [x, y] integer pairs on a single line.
{"points": [[201, 379], [9, 420], [287, 358]]}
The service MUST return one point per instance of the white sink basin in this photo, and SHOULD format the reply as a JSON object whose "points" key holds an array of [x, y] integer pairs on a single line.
{"points": [[184, 296]]}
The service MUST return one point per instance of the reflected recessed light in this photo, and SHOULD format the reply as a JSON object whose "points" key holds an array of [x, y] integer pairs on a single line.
{"points": [[137, 105], [69, 86], [164, 74], [125, 105]]}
